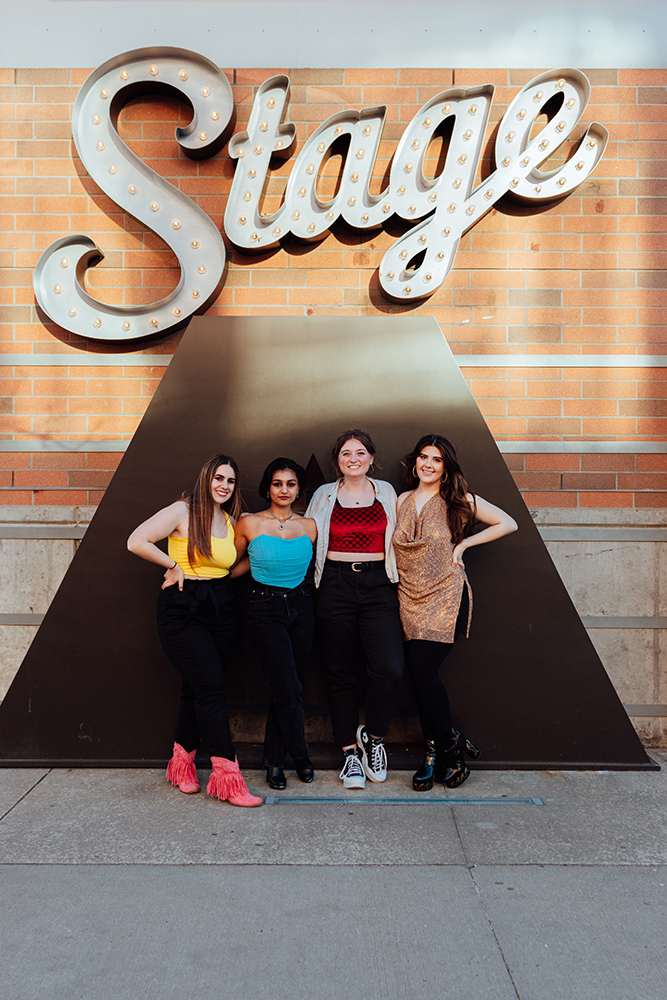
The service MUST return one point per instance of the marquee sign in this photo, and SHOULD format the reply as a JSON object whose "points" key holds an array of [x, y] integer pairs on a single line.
{"points": [[442, 208]]}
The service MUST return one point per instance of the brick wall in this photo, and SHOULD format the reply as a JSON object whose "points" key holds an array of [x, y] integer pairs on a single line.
{"points": [[586, 276]]}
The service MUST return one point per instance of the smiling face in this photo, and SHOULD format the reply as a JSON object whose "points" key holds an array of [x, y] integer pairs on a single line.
{"points": [[354, 459], [223, 484], [429, 465], [283, 488]]}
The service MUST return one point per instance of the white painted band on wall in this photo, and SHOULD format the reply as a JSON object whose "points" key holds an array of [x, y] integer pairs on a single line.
{"points": [[618, 621], [647, 711], [504, 447], [463, 360]]}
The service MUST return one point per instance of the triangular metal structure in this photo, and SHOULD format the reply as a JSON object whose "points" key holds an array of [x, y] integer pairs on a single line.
{"points": [[95, 687]]}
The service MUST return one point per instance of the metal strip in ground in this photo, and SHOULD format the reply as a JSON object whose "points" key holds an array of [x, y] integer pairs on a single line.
{"points": [[274, 800]]}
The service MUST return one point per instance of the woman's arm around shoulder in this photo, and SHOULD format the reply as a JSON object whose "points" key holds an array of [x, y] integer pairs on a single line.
{"points": [[499, 523], [310, 528], [402, 498], [247, 528]]}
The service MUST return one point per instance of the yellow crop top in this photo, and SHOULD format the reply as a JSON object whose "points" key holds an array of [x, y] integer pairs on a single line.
{"points": [[223, 550]]}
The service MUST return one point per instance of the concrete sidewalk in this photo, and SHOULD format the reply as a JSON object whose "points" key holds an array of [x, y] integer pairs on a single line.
{"points": [[114, 886]]}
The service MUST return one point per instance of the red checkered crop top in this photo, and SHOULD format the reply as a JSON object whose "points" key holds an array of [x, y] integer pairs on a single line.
{"points": [[357, 529]]}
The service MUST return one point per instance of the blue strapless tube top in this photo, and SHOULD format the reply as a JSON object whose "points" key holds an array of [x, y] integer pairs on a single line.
{"points": [[280, 562]]}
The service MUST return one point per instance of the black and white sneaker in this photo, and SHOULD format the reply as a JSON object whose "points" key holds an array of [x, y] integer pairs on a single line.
{"points": [[352, 773], [373, 755]]}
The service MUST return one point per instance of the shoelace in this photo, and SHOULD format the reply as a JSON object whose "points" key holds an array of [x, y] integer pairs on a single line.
{"points": [[378, 756], [352, 767]]}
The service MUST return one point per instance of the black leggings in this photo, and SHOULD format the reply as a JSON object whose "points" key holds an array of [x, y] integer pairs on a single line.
{"points": [[423, 660]]}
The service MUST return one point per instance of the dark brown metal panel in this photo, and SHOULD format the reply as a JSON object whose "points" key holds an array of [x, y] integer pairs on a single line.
{"points": [[95, 685]]}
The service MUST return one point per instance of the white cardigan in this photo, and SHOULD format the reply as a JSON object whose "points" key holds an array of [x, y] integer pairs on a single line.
{"points": [[320, 508]]}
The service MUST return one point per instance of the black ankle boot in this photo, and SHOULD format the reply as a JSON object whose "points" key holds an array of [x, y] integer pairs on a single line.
{"points": [[463, 743], [304, 770], [455, 770], [422, 780], [275, 777]]}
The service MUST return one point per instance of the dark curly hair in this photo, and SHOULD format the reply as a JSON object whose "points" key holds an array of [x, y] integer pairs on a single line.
{"points": [[453, 487]]}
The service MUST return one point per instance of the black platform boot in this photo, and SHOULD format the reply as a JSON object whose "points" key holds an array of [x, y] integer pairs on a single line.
{"points": [[455, 770], [422, 780]]}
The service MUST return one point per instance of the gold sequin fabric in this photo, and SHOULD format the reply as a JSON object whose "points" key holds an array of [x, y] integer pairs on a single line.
{"points": [[429, 585]]}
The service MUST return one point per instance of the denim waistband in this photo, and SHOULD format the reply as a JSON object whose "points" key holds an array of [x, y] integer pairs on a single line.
{"points": [[304, 589]]}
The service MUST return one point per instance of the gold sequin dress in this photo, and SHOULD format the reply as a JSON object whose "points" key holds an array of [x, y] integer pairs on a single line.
{"points": [[429, 585]]}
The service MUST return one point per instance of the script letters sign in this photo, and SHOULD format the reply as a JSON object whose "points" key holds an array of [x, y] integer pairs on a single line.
{"points": [[442, 208]]}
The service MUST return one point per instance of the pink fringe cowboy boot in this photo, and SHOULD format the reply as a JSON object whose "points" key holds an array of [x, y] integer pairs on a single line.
{"points": [[226, 783], [181, 770]]}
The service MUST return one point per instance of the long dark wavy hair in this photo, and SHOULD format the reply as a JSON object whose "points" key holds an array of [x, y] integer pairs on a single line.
{"points": [[453, 487], [201, 507]]}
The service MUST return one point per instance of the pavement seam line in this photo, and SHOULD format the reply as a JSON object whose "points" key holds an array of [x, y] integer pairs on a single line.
{"points": [[469, 868], [25, 794], [493, 930]]}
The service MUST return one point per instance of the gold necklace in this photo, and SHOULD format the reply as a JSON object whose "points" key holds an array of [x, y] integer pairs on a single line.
{"points": [[351, 494]]}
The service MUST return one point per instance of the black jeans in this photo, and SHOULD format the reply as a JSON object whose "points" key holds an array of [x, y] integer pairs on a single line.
{"points": [[423, 659], [281, 623], [197, 627], [359, 611]]}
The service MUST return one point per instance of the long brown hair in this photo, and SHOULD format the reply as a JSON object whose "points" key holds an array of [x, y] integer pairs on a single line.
{"points": [[453, 486], [201, 507]]}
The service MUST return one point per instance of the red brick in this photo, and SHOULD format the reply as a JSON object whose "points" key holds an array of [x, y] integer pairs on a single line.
{"points": [[537, 480], [75, 498], [90, 479], [34, 479], [651, 463], [560, 499], [589, 481], [16, 497], [552, 462], [650, 500], [606, 500], [607, 463]]}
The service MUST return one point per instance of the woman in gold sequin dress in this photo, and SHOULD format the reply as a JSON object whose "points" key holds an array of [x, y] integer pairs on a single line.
{"points": [[433, 528]]}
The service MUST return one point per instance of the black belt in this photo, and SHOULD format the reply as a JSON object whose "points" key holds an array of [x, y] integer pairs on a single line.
{"points": [[357, 567]]}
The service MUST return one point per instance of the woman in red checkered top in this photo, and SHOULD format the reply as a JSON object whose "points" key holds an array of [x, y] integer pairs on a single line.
{"points": [[356, 604]]}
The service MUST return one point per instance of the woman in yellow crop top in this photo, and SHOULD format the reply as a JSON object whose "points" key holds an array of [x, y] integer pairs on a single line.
{"points": [[196, 620]]}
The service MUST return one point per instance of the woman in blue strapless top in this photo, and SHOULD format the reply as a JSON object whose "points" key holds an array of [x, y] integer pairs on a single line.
{"points": [[281, 619]]}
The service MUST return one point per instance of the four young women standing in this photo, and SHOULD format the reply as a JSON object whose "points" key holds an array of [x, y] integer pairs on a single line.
{"points": [[361, 552]]}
